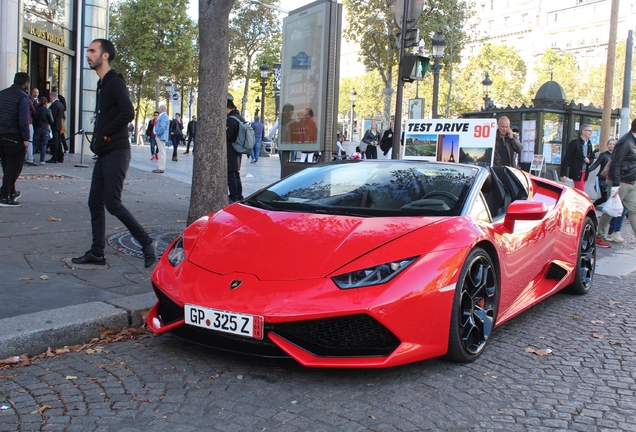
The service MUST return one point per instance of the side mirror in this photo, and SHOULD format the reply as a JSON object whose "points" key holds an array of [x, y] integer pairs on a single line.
{"points": [[523, 210]]}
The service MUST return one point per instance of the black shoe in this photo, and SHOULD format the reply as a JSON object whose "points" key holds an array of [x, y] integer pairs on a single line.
{"points": [[89, 258], [150, 254], [16, 196], [32, 164], [51, 161], [9, 202]]}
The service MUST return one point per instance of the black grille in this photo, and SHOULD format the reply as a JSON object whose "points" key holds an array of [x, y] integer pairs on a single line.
{"points": [[168, 310], [556, 272], [348, 336]]}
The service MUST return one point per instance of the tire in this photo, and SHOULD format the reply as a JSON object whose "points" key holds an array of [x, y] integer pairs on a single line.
{"points": [[586, 260], [474, 307]]}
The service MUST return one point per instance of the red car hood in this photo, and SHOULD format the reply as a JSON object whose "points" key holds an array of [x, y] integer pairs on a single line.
{"points": [[280, 245]]}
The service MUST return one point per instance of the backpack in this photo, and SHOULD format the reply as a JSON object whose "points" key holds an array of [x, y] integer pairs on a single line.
{"points": [[245, 139]]}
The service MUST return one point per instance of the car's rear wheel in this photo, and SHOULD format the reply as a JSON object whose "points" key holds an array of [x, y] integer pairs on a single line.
{"points": [[586, 260], [474, 307]]}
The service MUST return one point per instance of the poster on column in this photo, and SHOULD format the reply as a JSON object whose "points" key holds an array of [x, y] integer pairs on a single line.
{"points": [[470, 141]]}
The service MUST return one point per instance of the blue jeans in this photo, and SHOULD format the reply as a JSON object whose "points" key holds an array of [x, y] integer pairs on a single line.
{"points": [[41, 140], [176, 139], [153, 145], [616, 223], [256, 151]]}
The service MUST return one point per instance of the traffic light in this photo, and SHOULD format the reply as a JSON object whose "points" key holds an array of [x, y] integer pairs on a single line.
{"points": [[414, 67]]}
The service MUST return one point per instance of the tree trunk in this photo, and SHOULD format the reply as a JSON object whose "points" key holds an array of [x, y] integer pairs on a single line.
{"points": [[209, 174], [247, 85], [388, 97]]}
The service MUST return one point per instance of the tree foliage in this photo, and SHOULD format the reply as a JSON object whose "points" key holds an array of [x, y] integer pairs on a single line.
{"points": [[371, 25], [253, 30], [506, 70]]}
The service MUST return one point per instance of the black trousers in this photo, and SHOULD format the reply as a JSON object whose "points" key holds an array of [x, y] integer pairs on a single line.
{"points": [[371, 152], [57, 150], [12, 152], [190, 140], [107, 184], [235, 186]]}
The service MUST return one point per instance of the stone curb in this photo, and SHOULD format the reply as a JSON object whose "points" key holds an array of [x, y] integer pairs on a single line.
{"points": [[33, 333]]}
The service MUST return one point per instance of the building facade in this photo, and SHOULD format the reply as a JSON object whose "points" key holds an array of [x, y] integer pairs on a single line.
{"points": [[577, 27], [48, 40]]}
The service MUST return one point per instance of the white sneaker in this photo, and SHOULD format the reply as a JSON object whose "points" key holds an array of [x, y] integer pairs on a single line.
{"points": [[617, 237]]}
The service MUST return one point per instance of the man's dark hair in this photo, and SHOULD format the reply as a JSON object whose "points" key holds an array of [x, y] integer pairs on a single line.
{"points": [[230, 104], [634, 126], [156, 112], [55, 89], [107, 47], [257, 118], [21, 78]]}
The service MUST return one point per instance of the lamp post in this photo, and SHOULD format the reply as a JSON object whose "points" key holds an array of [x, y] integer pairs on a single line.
{"points": [[352, 98], [258, 100], [264, 74], [487, 83], [439, 45], [169, 90]]}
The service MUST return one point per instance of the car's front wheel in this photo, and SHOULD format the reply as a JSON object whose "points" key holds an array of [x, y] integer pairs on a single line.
{"points": [[474, 307], [586, 260]]}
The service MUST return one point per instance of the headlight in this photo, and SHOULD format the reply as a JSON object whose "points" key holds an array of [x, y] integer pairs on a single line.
{"points": [[373, 275], [176, 253]]}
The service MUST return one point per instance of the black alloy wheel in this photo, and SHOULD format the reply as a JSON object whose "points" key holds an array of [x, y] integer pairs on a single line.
{"points": [[586, 260], [474, 307]]}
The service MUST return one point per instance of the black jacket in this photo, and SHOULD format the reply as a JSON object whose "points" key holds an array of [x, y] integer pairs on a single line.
{"points": [[12, 121], [192, 128], [387, 141], [43, 118], [57, 111], [234, 158], [176, 127], [623, 165], [114, 111], [572, 164], [602, 160]]}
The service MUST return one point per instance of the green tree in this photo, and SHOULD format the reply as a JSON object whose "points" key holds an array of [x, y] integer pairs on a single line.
{"points": [[371, 25], [508, 74], [252, 31], [595, 88], [209, 176], [562, 68]]}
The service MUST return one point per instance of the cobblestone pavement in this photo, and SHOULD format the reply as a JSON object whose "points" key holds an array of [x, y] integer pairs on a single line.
{"points": [[586, 383]]}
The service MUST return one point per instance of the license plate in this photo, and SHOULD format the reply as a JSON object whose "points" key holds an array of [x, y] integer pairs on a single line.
{"points": [[224, 321]]}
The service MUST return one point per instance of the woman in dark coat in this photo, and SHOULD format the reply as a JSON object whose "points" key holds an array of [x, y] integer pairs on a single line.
{"points": [[386, 145], [42, 122], [578, 158], [372, 139]]}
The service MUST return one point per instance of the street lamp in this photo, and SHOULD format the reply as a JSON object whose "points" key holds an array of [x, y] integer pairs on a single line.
{"points": [[487, 83], [264, 74], [439, 45], [352, 97]]}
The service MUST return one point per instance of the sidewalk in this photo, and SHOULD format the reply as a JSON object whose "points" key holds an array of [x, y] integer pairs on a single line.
{"points": [[44, 301]]}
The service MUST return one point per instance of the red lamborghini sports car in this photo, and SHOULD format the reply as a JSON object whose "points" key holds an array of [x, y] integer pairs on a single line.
{"points": [[375, 263]]}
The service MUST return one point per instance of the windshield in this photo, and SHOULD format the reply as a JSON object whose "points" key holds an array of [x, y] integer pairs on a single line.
{"points": [[372, 188]]}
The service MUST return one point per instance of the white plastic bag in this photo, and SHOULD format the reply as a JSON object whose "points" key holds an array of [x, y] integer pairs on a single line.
{"points": [[613, 206]]}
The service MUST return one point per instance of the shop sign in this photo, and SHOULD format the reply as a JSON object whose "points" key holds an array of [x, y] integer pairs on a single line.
{"points": [[47, 35]]}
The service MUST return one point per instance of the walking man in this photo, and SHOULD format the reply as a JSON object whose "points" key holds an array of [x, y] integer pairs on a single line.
{"points": [[110, 143], [57, 148], [192, 133], [162, 129], [234, 158], [259, 133], [14, 136], [63, 129]]}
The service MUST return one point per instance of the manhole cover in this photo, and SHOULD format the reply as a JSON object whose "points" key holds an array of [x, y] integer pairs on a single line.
{"points": [[126, 243]]}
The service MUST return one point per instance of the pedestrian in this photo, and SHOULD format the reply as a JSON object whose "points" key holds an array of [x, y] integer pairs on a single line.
{"points": [[340, 151], [507, 146], [234, 158], [579, 155], [176, 135], [162, 132], [386, 144], [14, 136], [602, 162], [622, 173], [63, 129], [57, 149], [29, 153], [150, 133], [114, 111], [42, 123], [371, 138], [192, 133], [259, 134]]}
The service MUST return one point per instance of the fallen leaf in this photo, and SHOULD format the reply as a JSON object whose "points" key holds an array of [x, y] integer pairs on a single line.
{"points": [[597, 322], [44, 408], [576, 317], [52, 219], [70, 377], [597, 335], [44, 277], [34, 229], [541, 352], [612, 302], [181, 221], [371, 417], [215, 376], [26, 278], [615, 343], [49, 352]]}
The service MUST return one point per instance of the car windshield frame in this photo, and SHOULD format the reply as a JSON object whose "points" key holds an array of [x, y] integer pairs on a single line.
{"points": [[373, 188]]}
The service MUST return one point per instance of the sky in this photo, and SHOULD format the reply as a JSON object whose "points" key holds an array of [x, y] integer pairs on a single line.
{"points": [[193, 10]]}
